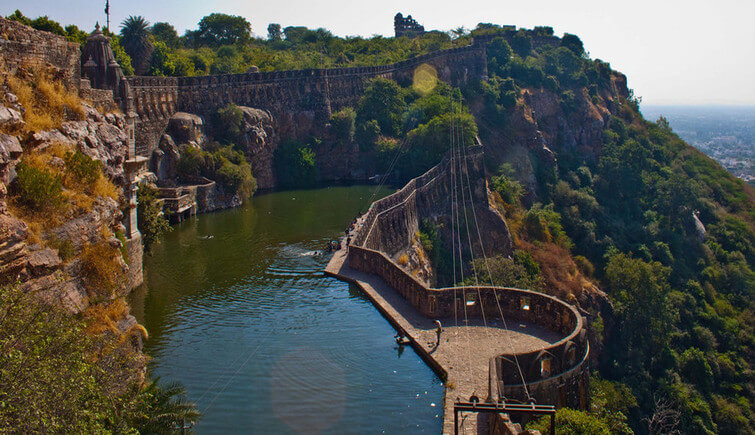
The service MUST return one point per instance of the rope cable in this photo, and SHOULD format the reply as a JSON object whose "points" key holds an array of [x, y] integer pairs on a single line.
{"points": [[490, 278]]}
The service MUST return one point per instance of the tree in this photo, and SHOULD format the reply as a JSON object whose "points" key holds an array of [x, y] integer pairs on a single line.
{"points": [[499, 54], [382, 101], [274, 32], [522, 43], [229, 124], [45, 24], [74, 34], [638, 290], [136, 40], [222, 29], [152, 223], [295, 165], [166, 33], [573, 43]]}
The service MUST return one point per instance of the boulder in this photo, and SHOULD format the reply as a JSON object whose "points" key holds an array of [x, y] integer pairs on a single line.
{"points": [[185, 127], [260, 139], [11, 119], [10, 153]]}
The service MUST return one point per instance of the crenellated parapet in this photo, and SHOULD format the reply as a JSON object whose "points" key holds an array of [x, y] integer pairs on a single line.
{"points": [[287, 95]]}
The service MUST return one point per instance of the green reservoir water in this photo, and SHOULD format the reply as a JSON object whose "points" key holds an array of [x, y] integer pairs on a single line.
{"points": [[239, 312]]}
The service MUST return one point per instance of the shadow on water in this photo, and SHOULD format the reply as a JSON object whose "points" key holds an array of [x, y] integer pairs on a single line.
{"points": [[239, 312]]}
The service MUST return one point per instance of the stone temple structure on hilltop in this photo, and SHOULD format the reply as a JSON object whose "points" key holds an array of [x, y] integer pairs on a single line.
{"points": [[407, 26]]}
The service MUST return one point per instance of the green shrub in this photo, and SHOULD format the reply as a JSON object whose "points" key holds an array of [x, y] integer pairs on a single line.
{"points": [[584, 265], [39, 189], [224, 165], [519, 272], [342, 124], [511, 191], [82, 169], [151, 221], [295, 165], [57, 378], [544, 224], [228, 124], [383, 101], [521, 43]]}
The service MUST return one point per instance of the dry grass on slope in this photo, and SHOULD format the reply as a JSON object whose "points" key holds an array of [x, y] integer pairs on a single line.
{"points": [[46, 101], [563, 276]]}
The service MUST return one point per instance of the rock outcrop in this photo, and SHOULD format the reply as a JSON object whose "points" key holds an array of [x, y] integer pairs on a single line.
{"points": [[260, 139]]}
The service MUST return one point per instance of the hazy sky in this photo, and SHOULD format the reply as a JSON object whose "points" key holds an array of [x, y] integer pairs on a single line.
{"points": [[672, 51]]}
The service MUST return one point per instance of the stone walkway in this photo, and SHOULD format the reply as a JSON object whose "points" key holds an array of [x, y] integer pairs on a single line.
{"points": [[463, 356]]}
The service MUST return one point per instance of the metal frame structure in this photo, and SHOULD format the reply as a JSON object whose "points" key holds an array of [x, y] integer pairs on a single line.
{"points": [[503, 407]]}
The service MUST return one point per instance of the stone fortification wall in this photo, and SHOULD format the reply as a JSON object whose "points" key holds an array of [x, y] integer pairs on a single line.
{"points": [[557, 373], [155, 100], [21, 45], [301, 101]]}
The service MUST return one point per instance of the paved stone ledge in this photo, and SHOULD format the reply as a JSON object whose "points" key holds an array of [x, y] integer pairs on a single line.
{"points": [[462, 359]]}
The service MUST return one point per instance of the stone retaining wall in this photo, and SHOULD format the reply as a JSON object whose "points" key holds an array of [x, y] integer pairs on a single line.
{"points": [[23, 46], [556, 374], [301, 100]]}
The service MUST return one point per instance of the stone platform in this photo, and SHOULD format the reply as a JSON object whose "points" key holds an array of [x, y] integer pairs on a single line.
{"points": [[463, 357]]}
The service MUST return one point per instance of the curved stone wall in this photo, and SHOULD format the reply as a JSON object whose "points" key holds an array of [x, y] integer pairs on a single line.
{"points": [[555, 374]]}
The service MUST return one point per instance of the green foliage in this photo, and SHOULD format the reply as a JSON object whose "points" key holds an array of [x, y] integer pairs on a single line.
{"points": [[295, 165], [499, 55], [123, 59], [166, 33], [137, 42], [574, 422], [521, 43], [694, 367], [223, 29], [49, 383], [383, 101], [59, 379], [228, 124], [573, 43], [82, 169], [74, 34], [639, 292], [19, 17], [224, 165], [163, 408], [511, 191], [521, 271], [544, 224], [39, 189], [48, 25], [274, 32], [151, 221], [343, 125]]}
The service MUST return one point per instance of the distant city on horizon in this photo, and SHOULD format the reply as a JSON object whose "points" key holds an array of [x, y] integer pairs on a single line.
{"points": [[725, 133]]}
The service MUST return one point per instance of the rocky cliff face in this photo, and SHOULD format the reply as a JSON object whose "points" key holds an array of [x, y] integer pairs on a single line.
{"points": [[260, 139], [53, 262], [538, 128]]}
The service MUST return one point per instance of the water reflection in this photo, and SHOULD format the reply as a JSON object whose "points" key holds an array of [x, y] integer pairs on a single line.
{"points": [[239, 312]]}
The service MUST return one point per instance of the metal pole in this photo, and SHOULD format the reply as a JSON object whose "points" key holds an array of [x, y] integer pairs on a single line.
{"points": [[553, 424], [456, 422]]}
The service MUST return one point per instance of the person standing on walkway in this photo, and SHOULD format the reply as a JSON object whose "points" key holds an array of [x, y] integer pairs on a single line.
{"points": [[438, 330]]}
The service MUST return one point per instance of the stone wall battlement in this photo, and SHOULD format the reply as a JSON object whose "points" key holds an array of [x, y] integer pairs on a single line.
{"points": [[23, 46], [312, 93]]}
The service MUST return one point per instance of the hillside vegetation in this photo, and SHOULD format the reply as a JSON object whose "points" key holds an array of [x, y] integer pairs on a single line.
{"points": [[595, 195], [70, 353]]}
